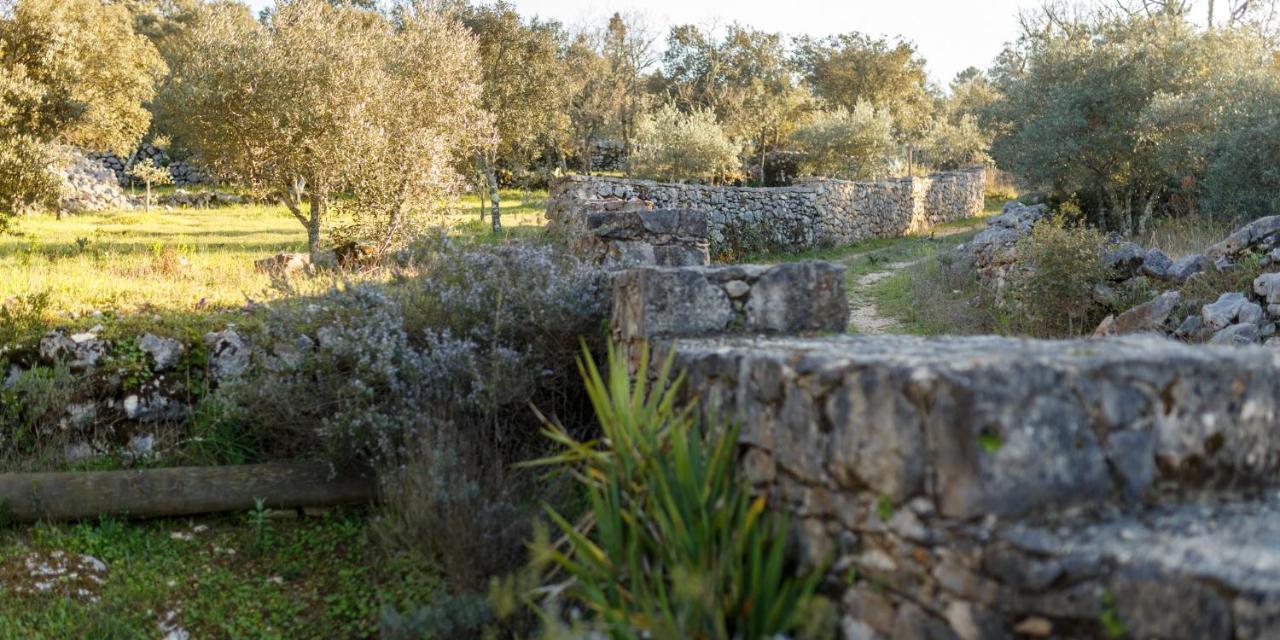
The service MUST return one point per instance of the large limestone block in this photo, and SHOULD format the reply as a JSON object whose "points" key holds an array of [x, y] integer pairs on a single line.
{"points": [[986, 425], [664, 302]]}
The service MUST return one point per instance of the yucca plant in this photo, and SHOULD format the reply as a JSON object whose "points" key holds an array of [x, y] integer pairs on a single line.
{"points": [[673, 545]]}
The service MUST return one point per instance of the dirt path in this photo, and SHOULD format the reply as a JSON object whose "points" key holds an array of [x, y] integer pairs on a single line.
{"points": [[863, 315]]}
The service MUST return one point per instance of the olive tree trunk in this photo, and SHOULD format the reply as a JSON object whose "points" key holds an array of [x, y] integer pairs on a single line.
{"points": [[495, 199], [293, 194]]}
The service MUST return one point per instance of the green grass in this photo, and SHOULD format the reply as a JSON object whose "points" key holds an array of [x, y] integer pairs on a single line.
{"points": [[185, 261], [240, 577]]}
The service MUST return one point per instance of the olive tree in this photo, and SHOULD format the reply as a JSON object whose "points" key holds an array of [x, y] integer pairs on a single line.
{"points": [[1118, 111], [852, 145], [72, 72], [523, 79], [672, 145], [321, 99], [744, 77], [850, 68]]}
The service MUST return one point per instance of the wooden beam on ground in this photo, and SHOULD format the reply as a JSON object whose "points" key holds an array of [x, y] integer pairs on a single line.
{"points": [[179, 491]]}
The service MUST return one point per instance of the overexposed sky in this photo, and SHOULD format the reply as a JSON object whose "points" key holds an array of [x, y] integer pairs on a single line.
{"points": [[950, 34]]}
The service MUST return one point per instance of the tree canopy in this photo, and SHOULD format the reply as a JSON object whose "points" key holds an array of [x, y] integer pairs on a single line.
{"points": [[72, 72], [321, 98]]}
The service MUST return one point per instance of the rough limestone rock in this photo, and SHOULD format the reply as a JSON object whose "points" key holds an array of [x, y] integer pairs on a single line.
{"points": [[1155, 264], [797, 297], [164, 352], [1224, 311], [1267, 285], [283, 264], [990, 425], [1250, 313], [228, 353], [1124, 261], [994, 245], [1187, 266], [88, 185], [81, 351], [1237, 334], [1147, 317], [1259, 236]]}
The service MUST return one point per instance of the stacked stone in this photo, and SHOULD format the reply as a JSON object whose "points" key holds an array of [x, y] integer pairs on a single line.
{"points": [[183, 173], [607, 154], [812, 213], [119, 166], [88, 185], [129, 414], [655, 303], [990, 487], [623, 233], [187, 174]]}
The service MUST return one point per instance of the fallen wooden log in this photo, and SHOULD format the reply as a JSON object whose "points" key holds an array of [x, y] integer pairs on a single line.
{"points": [[179, 491]]}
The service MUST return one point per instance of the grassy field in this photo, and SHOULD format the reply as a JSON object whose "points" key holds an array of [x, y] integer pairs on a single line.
{"points": [[187, 260], [240, 576]]}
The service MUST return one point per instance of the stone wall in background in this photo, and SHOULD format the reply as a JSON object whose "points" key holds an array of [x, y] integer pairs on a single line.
{"points": [[607, 154], [987, 487], [814, 213], [184, 173]]}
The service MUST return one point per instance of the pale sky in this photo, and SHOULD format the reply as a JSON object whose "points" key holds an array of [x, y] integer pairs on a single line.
{"points": [[950, 34]]}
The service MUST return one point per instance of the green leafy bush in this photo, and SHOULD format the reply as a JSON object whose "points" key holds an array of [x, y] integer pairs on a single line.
{"points": [[673, 544], [30, 404], [671, 145], [951, 145], [852, 145], [22, 319], [1051, 289]]}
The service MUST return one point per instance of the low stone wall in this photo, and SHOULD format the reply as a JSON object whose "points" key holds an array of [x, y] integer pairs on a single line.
{"points": [[183, 173], [986, 487], [619, 234], [815, 213]]}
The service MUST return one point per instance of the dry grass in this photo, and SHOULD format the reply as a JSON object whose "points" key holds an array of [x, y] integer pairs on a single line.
{"points": [[1182, 236], [190, 260]]}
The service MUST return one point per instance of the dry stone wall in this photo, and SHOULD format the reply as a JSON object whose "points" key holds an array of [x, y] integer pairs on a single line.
{"points": [[987, 487], [815, 213]]}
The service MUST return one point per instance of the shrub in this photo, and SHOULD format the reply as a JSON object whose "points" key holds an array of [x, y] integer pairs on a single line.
{"points": [[950, 145], [22, 319], [671, 145], [673, 544], [852, 145], [1051, 289], [430, 380], [30, 405]]}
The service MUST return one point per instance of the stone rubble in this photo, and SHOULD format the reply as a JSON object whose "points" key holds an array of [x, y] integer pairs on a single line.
{"points": [[1235, 317], [88, 185]]}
